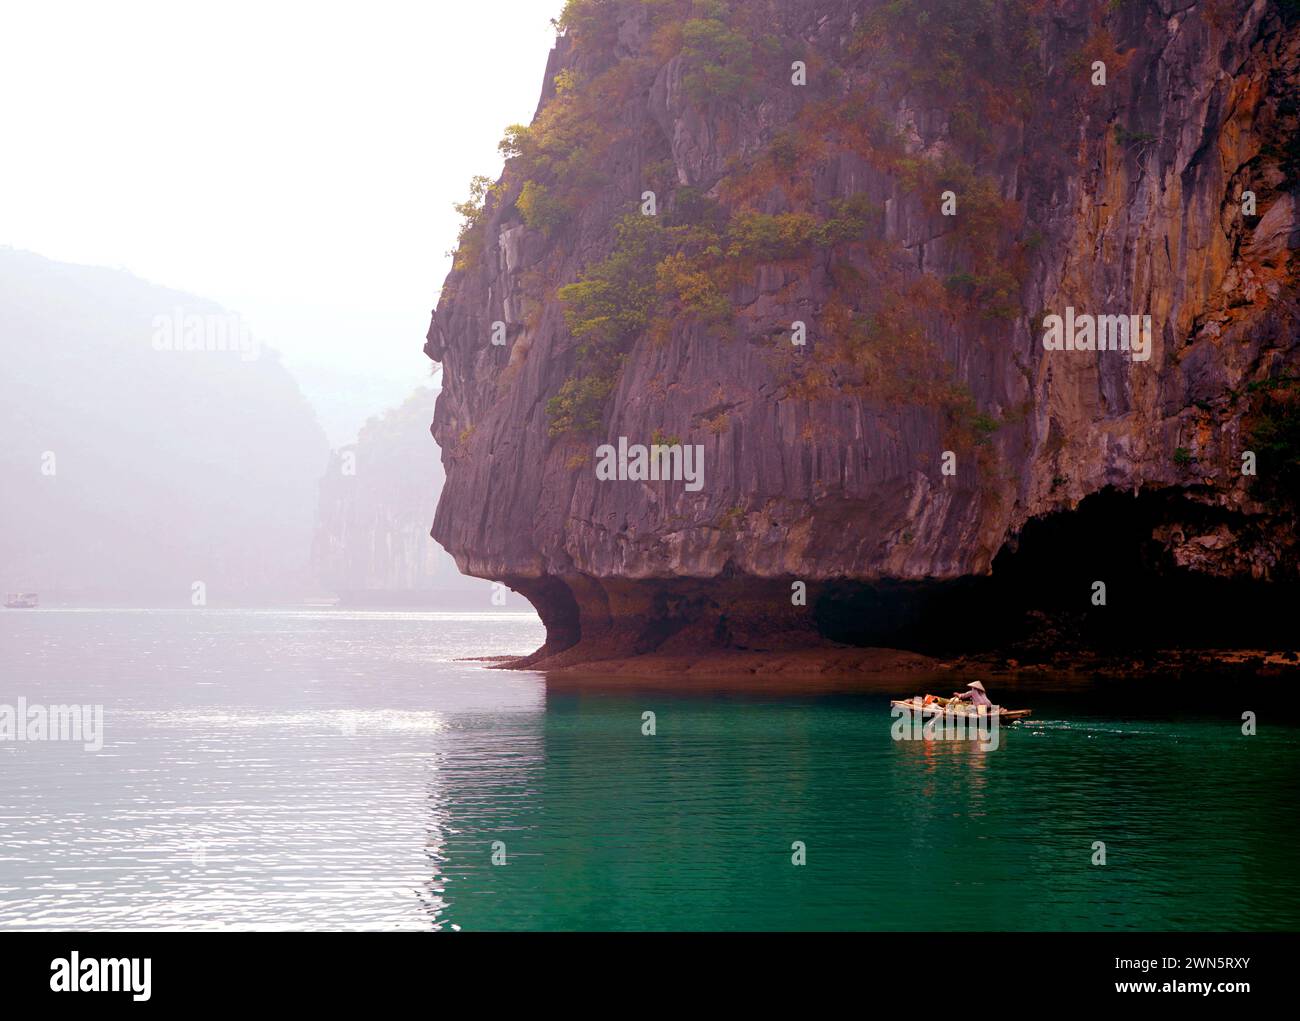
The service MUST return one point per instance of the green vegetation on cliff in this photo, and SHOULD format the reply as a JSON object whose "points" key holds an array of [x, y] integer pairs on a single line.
{"points": [[1273, 431], [685, 264]]}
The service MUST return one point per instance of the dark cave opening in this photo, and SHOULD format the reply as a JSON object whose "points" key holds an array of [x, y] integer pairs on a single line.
{"points": [[1039, 596], [1037, 603]]}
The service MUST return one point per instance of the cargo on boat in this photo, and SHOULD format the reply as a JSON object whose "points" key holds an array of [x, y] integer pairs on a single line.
{"points": [[933, 705], [21, 600]]}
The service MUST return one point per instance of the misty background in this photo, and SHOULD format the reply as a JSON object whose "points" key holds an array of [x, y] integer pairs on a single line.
{"points": [[291, 168]]}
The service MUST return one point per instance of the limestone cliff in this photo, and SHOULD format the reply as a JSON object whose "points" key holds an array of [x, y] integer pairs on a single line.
{"points": [[921, 184]]}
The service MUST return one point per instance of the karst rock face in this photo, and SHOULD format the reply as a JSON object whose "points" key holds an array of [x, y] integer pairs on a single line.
{"points": [[1093, 156]]}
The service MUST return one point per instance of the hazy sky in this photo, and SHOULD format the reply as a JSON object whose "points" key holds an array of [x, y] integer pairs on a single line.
{"points": [[294, 161]]}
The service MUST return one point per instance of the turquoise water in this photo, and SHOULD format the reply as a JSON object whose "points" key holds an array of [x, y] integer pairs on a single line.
{"points": [[304, 769]]}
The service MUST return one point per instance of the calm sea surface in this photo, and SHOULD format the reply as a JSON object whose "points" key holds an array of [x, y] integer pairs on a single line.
{"points": [[329, 769]]}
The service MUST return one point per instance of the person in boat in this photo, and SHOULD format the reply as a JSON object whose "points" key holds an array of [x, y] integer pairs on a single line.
{"points": [[975, 695]]}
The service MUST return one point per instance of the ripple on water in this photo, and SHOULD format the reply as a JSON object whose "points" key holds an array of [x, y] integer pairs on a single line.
{"points": [[323, 770]]}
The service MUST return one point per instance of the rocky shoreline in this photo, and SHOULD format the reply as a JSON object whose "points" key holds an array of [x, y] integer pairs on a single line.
{"points": [[846, 667]]}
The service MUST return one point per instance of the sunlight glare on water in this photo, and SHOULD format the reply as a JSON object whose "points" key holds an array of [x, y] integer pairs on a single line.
{"points": [[351, 770]]}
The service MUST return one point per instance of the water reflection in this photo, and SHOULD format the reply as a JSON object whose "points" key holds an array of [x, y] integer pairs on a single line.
{"points": [[323, 770], [484, 801], [268, 770]]}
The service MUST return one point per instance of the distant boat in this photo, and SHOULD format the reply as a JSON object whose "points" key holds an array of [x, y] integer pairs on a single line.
{"points": [[21, 600]]}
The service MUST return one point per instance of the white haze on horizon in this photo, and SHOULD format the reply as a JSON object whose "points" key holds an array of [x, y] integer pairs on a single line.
{"points": [[295, 162]]}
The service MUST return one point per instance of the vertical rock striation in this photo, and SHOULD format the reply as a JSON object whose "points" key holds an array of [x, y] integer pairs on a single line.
{"points": [[824, 204]]}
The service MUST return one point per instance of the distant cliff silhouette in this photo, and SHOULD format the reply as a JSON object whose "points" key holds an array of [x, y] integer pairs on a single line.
{"points": [[134, 465], [372, 545]]}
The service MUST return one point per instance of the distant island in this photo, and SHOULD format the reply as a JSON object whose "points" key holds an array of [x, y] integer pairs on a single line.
{"points": [[372, 546], [152, 445]]}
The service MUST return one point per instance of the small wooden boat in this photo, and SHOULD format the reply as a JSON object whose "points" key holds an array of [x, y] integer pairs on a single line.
{"points": [[21, 600], [932, 705]]}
